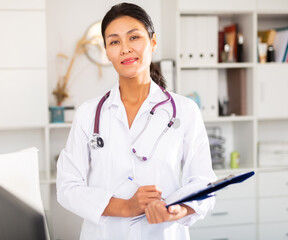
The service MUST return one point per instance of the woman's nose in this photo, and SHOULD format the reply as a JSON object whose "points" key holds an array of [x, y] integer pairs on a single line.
{"points": [[125, 48]]}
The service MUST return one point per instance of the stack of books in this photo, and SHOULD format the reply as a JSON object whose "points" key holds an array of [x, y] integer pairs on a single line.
{"points": [[273, 45], [230, 44]]}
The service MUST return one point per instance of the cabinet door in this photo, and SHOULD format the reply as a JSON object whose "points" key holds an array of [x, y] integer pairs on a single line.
{"points": [[246, 189], [23, 40], [272, 91], [240, 232], [230, 212], [22, 4], [273, 184], [273, 209], [275, 231], [272, 5], [23, 98]]}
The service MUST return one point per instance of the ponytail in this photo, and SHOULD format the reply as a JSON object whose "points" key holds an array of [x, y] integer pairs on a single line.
{"points": [[156, 75]]}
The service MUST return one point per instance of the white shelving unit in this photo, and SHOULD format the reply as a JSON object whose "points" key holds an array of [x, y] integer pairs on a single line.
{"points": [[242, 211]]}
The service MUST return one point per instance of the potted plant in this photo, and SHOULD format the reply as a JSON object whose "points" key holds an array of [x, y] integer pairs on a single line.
{"points": [[61, 90], [92, 45]]}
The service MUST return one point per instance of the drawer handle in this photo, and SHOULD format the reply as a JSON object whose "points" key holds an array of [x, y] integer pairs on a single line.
{"points": [[219, 214]]}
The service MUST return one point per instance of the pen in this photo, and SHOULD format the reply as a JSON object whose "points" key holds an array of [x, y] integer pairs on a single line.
{"points": [[132, 180], [139, 185]]}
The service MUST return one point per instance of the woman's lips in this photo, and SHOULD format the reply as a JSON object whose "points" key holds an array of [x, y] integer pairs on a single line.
{"points": [[128, 61]]}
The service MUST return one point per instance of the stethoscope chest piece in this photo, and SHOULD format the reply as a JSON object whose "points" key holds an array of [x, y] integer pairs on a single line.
{"points": [[96, 141]]}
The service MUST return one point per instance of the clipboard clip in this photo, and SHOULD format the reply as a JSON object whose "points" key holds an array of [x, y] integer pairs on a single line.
{"points": [[221, 180]]}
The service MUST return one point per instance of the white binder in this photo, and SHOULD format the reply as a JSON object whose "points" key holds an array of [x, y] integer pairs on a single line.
{"points": [[187, 41], [207, 39], [212, 40], [212, 93], [198, 40], [204, 82]]}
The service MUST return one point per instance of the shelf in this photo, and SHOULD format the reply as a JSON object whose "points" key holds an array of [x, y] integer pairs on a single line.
{"points": [[52, 180], [270, 12], [272, 169], [60, 125], [46, 180], [272, 64], [227, 12], [272, 119], [235, 65], [230, 119], [218, 66], [15, 128]]}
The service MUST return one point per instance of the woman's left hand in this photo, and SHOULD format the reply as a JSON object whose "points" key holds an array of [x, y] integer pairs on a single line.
{"points": [[156, 212]]}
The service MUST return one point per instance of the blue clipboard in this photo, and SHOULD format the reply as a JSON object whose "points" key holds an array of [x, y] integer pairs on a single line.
{"points": [[213, 187], [205, 192]]}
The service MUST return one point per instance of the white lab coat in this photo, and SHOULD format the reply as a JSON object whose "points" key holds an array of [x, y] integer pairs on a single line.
{"points": [[88, 178]]}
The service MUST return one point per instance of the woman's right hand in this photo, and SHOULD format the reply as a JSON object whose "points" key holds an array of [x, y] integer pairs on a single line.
{"points": [[140, 200], [134, 206]]}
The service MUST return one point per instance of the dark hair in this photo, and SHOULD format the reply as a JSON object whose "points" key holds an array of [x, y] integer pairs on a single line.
{"points": [[134, 11]]}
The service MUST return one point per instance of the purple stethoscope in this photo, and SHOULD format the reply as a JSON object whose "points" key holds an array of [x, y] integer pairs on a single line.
{"points": [[98, 142]]}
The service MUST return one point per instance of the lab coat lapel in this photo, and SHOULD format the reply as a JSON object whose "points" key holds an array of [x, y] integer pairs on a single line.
{"points": [[155, 96], [114, 101]]}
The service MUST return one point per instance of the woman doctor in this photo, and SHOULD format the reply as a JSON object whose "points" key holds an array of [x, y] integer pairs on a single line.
{"points": [[139, 163]]}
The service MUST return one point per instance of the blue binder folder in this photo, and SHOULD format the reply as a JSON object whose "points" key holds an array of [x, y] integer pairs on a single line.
{"points": [[205, 192], [213, 187]]}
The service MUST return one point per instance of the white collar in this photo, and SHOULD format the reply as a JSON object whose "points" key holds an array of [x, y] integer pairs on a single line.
{"points": [[155, 95]]}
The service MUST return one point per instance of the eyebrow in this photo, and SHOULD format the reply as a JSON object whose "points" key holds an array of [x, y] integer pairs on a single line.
{"points": [[116, 35]]}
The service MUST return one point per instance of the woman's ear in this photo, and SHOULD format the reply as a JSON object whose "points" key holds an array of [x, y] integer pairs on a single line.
{"points": [[154, 42]]}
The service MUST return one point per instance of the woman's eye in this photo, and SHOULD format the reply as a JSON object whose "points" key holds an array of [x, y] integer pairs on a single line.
{"points": [[114, 42], [134, 37]]}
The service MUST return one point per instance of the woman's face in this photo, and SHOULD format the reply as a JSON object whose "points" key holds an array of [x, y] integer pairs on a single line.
{"points": [[129, 47]]}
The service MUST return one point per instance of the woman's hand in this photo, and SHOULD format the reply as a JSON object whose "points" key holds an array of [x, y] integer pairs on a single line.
{"points": [[156, 212], [144, 196], [136, 205]]}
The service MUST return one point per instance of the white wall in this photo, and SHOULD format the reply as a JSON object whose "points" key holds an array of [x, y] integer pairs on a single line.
{"points": [[67, 21]]}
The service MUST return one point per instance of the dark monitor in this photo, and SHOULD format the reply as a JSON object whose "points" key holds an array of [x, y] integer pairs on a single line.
{"points": [[18, 220]]}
